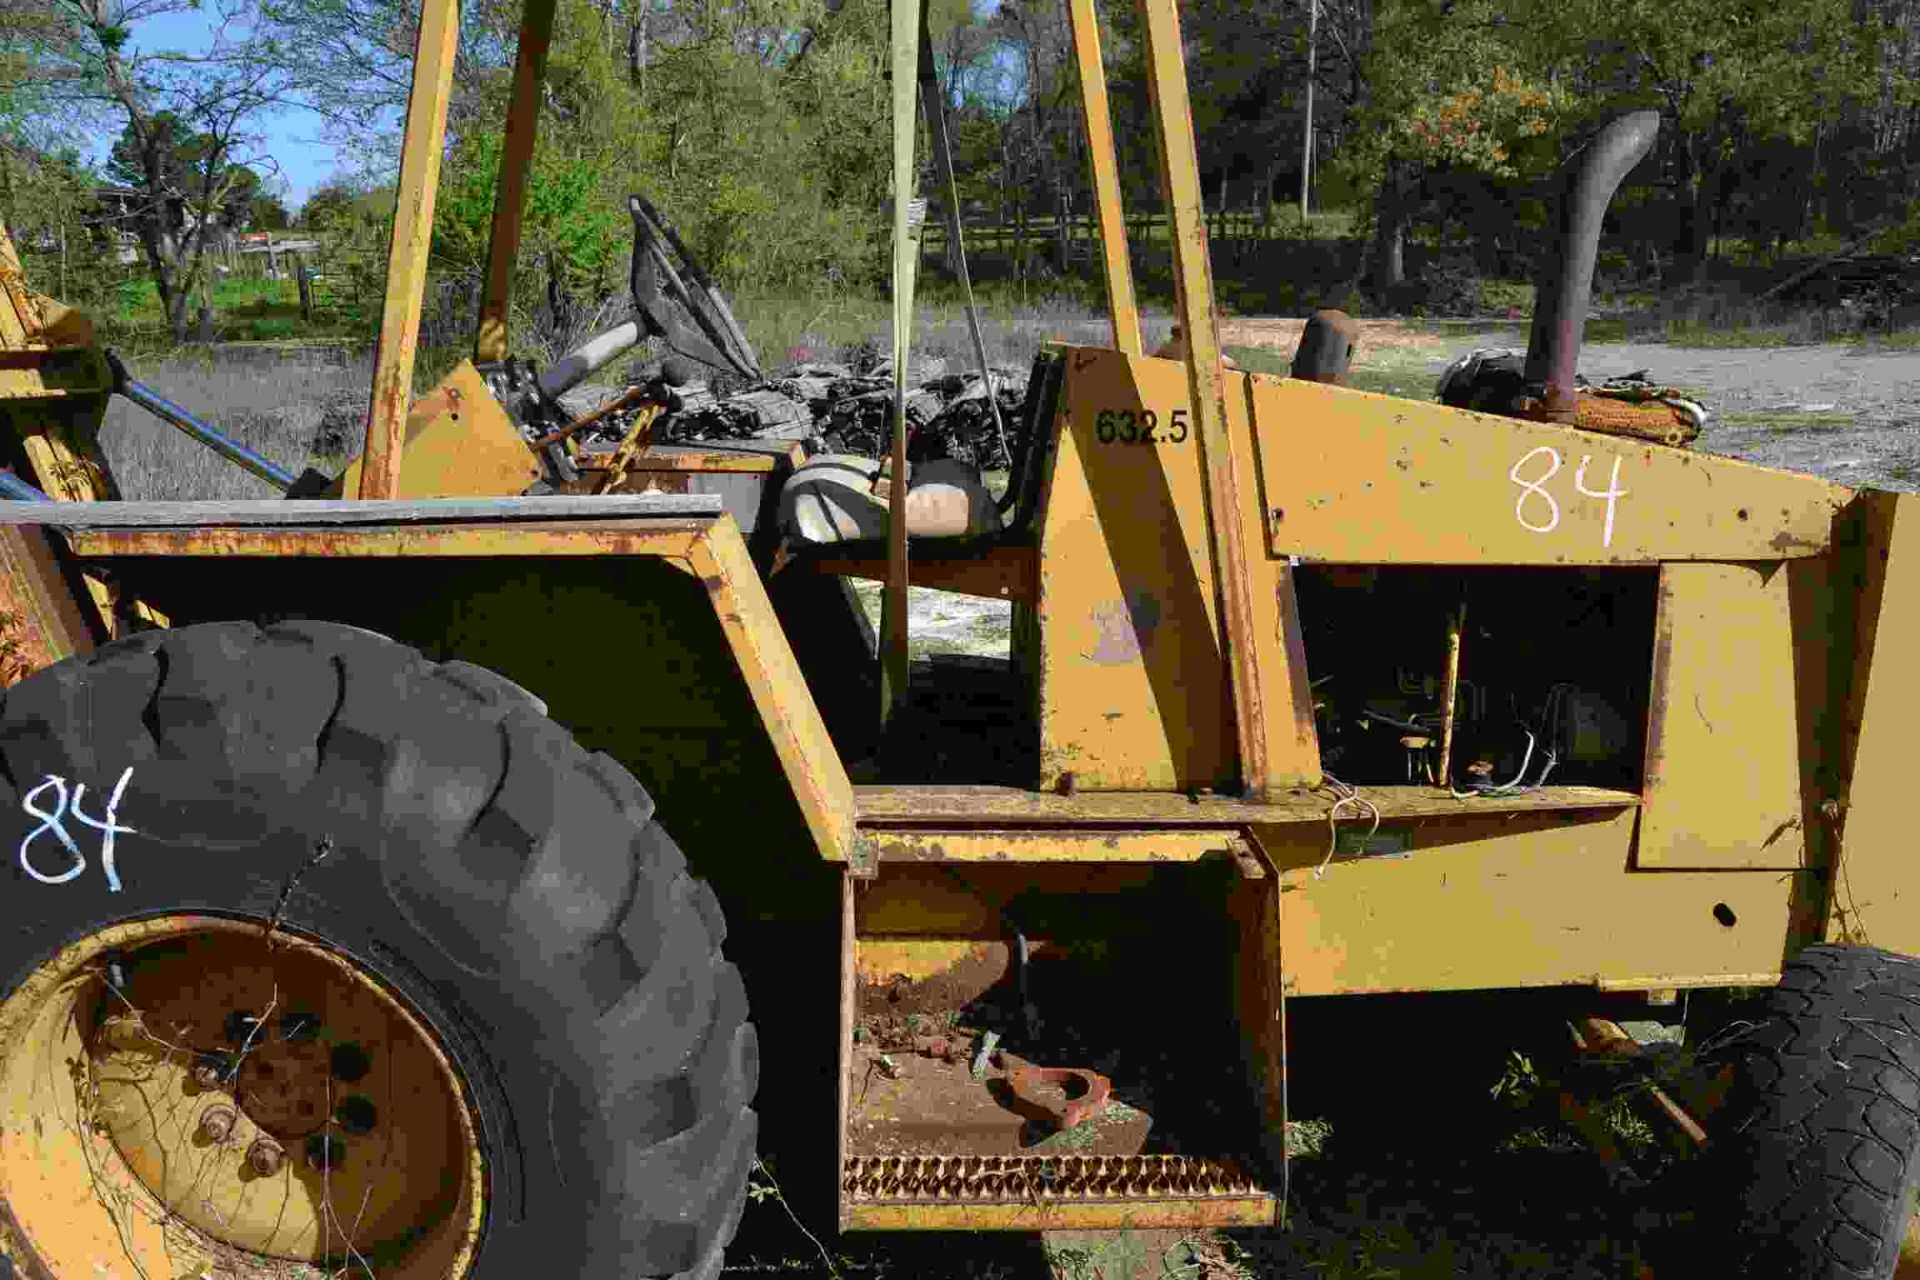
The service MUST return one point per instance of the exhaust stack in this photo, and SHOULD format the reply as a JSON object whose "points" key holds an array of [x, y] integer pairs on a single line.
{"points": [[1566, 283]]}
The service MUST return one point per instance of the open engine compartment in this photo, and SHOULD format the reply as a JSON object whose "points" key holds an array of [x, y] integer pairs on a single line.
{"points": [[1554, 676]]}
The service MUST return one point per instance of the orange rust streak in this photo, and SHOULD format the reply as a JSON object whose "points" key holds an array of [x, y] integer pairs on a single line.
{"points": [[1052, 1215], [672, 539], [1003, 573]]}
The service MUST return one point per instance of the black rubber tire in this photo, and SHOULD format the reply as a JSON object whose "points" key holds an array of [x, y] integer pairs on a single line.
{"points": [[513, 887], [1814, 1159]]}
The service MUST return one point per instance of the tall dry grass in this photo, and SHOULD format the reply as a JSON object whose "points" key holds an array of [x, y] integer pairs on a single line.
{"points": [[298, 407]]}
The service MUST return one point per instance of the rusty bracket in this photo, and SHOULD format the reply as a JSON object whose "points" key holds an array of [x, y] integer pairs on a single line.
{"points": [[1025, 1080], [1247, 858]]}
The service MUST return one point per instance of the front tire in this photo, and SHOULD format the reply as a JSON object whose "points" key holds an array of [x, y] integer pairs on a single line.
{"points": [[1814, 1157], [427, 824]]}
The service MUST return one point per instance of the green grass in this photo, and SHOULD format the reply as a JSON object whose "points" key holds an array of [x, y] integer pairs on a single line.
{"points": [[243, 311], [1403, 379], [1781, 423]]}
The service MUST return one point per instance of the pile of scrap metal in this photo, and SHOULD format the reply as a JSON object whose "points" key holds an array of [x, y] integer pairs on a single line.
{"points": [[828, 407], [833, 409], [1492, 380]]}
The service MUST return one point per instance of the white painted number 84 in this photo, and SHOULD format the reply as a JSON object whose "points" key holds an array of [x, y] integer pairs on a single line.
{"points": [[1536, 489], [55, 822]]}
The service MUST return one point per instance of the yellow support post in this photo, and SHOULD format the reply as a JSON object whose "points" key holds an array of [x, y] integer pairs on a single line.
{"points": [[509, 201], [1206, 379], [894, 654], [407, 255], [1121, 309]]}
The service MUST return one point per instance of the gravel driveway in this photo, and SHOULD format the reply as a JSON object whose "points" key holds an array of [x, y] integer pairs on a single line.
{"points": [[1847, 414]]}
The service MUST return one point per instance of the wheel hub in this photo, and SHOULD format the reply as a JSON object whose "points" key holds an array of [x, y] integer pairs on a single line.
{"points": [[264, 1096]]}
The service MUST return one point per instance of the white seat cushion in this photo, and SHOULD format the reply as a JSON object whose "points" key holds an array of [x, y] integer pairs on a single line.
{"points": [[831, 499]]}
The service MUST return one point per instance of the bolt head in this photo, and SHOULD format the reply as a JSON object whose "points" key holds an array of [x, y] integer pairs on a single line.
{"points": [[217, 1122], [266, 1156]]}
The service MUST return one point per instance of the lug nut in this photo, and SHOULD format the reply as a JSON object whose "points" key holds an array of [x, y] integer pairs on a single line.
{"points": [[266, 1157], [216, 1123]]}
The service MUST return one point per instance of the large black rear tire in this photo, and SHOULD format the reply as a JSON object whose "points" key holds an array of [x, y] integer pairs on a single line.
{"points": [[1814, 1161], [430, 823]]}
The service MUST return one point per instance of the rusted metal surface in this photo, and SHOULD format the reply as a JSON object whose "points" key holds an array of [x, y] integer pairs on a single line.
{"points": [[1725, 769], [1260, 999], [654, 460], [40, 621], [1064, 1096], [625, 400], [669, 538], [433, 58], [1223, 480], [843, 1042], [1122, 314], [1326, 347], [459, 443], [1055, 845], [1560, 306], [138, 1192], [509, 200], [959, 807], [1517, 901], [1003, 572], [1874, 891], [638, 437], [814, 773], [1355, 478], [1028, 1192]]}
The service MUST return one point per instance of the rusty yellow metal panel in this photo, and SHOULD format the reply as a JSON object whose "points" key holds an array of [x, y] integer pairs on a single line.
{"points": [[1054, 845], [1134, 690], [958, 806], [1260, 1001], [1357, 478], [1724, 785], [1876, 888], [425, 139], [1517, 901], [1225, 473], [44, 623], [821, 787], [671, 539], [459, 444]]}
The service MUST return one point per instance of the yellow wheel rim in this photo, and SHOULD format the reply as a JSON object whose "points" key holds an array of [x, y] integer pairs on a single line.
{"points": [[191, 1093]]}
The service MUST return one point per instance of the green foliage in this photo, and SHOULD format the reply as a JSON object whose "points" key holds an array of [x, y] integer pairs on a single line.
{"points": [[1455, 87]]}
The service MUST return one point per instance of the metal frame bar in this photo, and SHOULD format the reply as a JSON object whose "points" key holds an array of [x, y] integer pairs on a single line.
{"points": [[1206, 379], [407, 254], [516, 161], [1122, 311]]}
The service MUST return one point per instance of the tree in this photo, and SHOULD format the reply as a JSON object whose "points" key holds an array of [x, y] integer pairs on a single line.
{"points": [[268, 214], [1463, 86], [184, 143], [1725, 74]]}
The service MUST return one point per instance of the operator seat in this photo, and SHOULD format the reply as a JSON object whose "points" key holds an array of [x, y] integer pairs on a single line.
{"points": [[833, 498]]}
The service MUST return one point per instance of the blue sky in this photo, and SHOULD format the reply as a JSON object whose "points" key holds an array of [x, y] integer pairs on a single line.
{"points": [[291, 136]]}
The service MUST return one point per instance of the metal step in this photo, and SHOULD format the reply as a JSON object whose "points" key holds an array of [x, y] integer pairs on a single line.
{"points": [[985, 1192]]}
